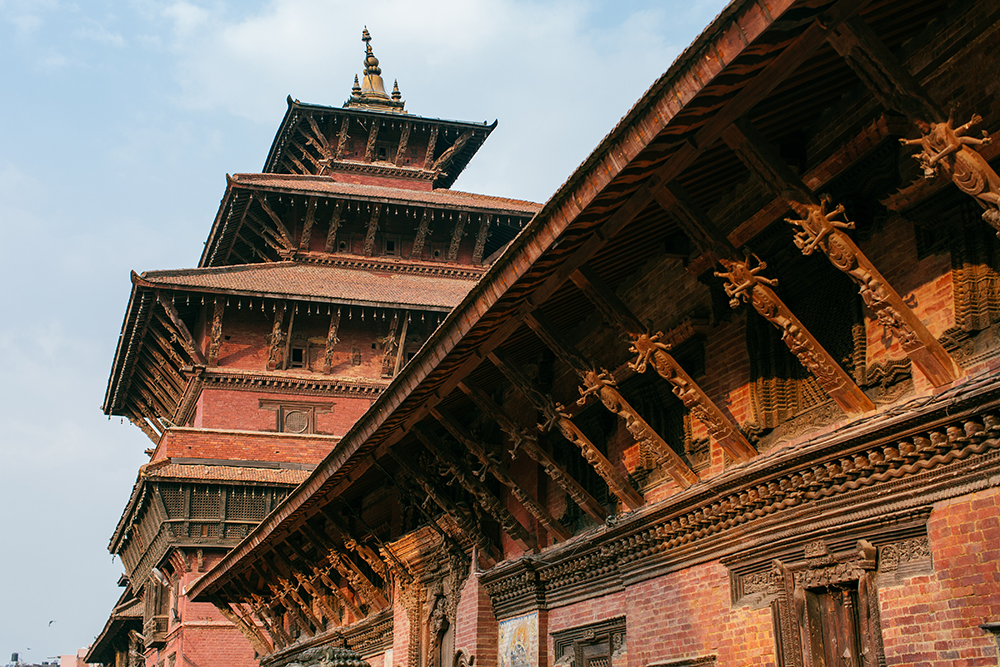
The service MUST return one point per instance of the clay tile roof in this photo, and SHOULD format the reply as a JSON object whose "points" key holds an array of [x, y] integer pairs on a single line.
{"points": [[318, 282], [213, 473], [440, 197]]}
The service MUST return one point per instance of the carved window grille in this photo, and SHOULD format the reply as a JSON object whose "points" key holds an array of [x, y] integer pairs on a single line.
{"points": [[246, 505], [206, 503], [173, 498], [595, 645]]}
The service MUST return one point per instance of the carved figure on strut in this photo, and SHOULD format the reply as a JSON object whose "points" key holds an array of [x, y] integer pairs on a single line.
{"points": [[816, 223], [741, 278]]}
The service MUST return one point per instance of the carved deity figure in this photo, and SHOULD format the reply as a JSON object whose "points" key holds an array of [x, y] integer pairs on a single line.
{"points": [[595, 382], [817, 223], [741, 279], [945, 150]]}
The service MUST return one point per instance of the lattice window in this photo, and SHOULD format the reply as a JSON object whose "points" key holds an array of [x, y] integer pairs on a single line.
{"points": [[173, 498], [595, 645], [246, 505], [206, 503]]}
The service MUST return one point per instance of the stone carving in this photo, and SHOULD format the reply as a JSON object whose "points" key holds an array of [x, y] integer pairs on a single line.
{"points": [[945, 150], [891, 556]]}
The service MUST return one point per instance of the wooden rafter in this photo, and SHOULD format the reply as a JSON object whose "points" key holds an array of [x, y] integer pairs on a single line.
{"points": [[181, 330], [530, 503], [286, 236], [524, 440], [649, 349], [821, 231], [557, 418], [475, 487], [449, 154], [600, 383]]}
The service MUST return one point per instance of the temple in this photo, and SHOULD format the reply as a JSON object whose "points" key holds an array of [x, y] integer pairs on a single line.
{"points": [[320, 280], [729, 398]]}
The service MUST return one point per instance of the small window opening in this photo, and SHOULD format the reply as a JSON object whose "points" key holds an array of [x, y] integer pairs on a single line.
{"points": [[390, 247], [342, 246], [298, 359]]}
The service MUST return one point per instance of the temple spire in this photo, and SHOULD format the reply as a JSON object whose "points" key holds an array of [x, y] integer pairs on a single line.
{"points": [[371, 92]]}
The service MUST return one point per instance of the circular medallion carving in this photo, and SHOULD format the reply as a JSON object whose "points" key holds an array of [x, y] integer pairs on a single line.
{"points": [[296, 421]]}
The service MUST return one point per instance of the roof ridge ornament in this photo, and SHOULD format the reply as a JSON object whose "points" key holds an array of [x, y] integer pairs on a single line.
{"points": [[371, 92]]}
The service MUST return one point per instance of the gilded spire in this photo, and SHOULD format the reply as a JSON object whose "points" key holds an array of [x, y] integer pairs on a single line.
{"points": [[371, 90]]}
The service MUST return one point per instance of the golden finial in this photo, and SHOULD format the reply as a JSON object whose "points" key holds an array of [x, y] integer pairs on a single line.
{"points": [[395, 90], [356, 88]]}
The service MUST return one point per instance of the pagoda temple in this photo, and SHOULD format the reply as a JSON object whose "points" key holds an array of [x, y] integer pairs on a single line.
{"points": [[320, 280], [731, 397]]}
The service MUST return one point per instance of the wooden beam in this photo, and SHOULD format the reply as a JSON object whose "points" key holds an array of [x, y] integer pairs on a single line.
{"points": [[360, 582], [404, 140], [389, 346], [475, 487], [372, 138], [270, 237], [401, 351], [697, 225], [481, 236], [449, 154], [456, 236], [307, 225], [342, 137], [879, 69], [215, 336], [140, 421], [820, 230], [372, 228], [465, 521], [331, 341], [458, 431], [744, 283], [422, 230], [286, 236], [331, 232], [186, 339], [247, 627], [648, 348], [600, 383], [284, 592], [557, 417], [431, 143], [524, 440], [276, 344], [317, 165]]}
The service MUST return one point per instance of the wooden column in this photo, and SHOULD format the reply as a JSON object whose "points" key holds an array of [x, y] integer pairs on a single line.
{"points": [[746, 284], [456, 236], [599, 383], [822, 231], [648, 349], [481, 236], [422, 230], [558, 418]]}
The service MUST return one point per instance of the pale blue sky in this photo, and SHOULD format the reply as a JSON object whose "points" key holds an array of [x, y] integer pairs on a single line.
{"points": [[118, 123]]}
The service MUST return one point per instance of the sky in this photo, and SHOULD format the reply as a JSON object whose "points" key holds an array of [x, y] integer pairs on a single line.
{"points": [[118, 123]]}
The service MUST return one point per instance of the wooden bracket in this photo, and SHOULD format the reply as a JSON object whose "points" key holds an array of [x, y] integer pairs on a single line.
{"points": [[372, 138], [286, 236], [481, 236], [648, 348], [556, 417], [404, 140], [307, 225], [525, 440], [599, 383], [331, 232], [456, 236], [449, 154], [372, 228], [422, 230], [215, 339], [181, 331], [820, 230], [331, 341]]}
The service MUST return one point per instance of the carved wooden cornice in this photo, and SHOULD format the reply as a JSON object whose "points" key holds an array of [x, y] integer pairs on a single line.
{"points": [[281, 383], [896, 465], [384, 266]]}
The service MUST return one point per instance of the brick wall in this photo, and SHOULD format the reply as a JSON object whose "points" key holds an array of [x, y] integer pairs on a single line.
{"points": [[932, 620], [475, 625], [241, 446], [231, 409]]}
